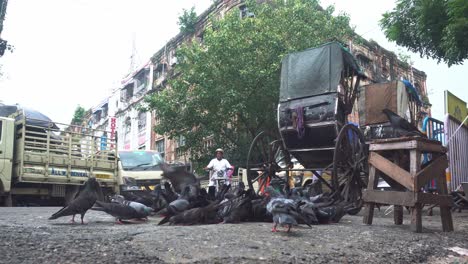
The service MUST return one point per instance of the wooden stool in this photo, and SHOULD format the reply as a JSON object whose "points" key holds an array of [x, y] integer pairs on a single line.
{"points": [[410, 182]]}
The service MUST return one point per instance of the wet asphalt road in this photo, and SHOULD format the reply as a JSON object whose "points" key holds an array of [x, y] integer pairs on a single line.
{"points": [[26, 236]]}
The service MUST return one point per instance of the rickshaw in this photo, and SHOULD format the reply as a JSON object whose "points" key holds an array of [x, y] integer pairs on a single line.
{"points": [[317, 92]]}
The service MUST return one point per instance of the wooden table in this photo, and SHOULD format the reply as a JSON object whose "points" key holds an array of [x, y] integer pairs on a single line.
{"points": [[399, 159]]}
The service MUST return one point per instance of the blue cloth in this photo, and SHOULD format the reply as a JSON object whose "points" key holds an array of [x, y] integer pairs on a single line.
{"points": [[412, 92]]}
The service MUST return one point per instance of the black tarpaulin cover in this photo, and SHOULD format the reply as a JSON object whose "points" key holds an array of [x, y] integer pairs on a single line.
{"points": [[33, 117], [315, 71]]}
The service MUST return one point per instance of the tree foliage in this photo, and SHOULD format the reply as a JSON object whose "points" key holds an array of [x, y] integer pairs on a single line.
{"points": [[78, 115], [227, 88], [187, 21], [434, 28]]}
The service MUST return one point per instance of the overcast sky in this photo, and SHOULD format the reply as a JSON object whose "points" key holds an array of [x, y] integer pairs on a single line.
{"points": [[70, 52]]}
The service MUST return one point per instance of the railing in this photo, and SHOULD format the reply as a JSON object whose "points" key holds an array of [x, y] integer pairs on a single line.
{"points": [[456, 138], [434, 129]]}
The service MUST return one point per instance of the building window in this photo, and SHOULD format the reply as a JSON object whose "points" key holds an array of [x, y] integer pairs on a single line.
{"points": [[200, 37], [179, 153], [105, 110], [157, 120], [244, 12], [364, 61], [208, 143], [127, 92], [97, 116], [160, 147], [181, 141], [127, 127], [141, 121], [141, 81]]}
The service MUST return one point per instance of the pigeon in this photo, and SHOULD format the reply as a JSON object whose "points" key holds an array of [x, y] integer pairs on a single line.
{"points": [[139, 207], [197, 216], [143, 197], [309, 213], [237, 210], [284, 211], [178, 176], [201, 200], [122, 211], [236, 192], [82, 203], [259, 211], [175, 207], [211, 193], [330, 214], [168, 194], [401, 127]]}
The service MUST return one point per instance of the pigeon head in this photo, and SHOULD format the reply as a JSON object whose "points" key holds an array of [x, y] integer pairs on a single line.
{"points": [[186, 191], [388, 113], [148, 210], [117, 199], [92, 184]]}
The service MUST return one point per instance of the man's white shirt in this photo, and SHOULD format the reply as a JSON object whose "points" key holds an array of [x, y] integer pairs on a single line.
{"points": [[218, 165]]}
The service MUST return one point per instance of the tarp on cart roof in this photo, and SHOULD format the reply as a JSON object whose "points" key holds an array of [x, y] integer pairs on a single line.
{"points": [[315, 71]]}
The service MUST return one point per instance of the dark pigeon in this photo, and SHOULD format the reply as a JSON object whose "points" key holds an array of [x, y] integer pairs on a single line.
{"points": [[259, 211], [122, 211], [197, 216], [331, 214], [237, 210], [143, 197], [401, 127], [176, 207], [168, 194], [237, 192], [82, 203], [178, 176]]}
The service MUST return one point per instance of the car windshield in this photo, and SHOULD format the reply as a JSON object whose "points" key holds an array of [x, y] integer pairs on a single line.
{"points": [[140, 160]]}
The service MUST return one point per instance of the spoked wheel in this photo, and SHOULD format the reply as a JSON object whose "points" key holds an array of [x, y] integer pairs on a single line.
{"points": [[265, 158], [350, 169]]}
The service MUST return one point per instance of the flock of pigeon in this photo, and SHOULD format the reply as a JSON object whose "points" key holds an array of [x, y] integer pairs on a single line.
{"points": [[181, 201]]}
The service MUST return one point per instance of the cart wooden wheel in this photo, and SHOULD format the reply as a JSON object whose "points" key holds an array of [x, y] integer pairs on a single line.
{"points": [[350, 169], [265, 157]]}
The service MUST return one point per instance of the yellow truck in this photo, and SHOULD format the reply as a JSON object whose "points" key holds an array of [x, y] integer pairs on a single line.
{"points": [[140, 168], [41, 162]]}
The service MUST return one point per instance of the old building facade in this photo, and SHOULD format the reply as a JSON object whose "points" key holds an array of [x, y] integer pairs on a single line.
{"points": [[134, 127]]}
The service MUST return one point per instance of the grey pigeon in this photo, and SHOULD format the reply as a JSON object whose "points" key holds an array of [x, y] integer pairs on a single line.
{"points": [[284, 211], [401, 127], [82, 203], [121, 211], [139, 207]]}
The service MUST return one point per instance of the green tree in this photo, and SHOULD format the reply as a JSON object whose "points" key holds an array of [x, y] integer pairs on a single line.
{"points": [[78, 115], [228, 87], [436, 29], [187, 21]]}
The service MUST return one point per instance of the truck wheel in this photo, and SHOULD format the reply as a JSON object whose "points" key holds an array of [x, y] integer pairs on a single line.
{"points": [[8, 200]]}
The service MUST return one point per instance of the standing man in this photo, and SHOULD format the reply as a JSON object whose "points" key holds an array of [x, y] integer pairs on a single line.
{"points": [[219, 165]]}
